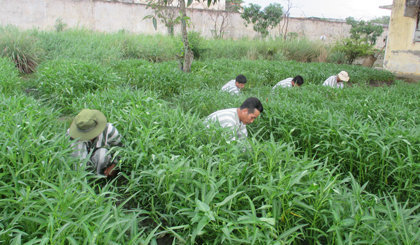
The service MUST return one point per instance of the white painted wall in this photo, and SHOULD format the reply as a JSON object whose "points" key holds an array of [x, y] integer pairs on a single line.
{"points": [[106, 16]]}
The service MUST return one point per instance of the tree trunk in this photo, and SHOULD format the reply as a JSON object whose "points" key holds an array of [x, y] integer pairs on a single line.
{"points": [[170, 29], [188, 54]]}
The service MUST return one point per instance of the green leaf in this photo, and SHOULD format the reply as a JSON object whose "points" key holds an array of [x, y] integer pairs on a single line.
{"points": [[227, 199], [197, 231], [154, 23], [150, 236], [290, 231], [270, 221], [202, 206]]}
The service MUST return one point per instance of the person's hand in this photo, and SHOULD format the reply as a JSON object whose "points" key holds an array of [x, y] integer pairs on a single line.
{"points": [[109, 171]]}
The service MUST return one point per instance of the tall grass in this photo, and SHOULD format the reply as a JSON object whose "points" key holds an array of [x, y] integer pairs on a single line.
{"points": [[321, 166], [80, 44], [362, 131], [60, 82], [43, 200], [87, 45], [9, 80], [21, 47], [186, 184]]}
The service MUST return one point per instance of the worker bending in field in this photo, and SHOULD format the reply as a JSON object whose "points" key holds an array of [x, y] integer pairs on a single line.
{"points": [[338, 80], [235, 86], [90, 133], [296, 81], [236, 119]]}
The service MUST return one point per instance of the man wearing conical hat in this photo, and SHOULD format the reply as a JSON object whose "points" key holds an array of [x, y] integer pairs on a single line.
{"points": [[338, 80], [90, 133]]}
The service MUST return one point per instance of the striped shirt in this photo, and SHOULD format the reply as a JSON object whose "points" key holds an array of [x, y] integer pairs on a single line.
{"points": [[228, 118], [332, 82], [231, 87], [109, 137], [286, 83]]}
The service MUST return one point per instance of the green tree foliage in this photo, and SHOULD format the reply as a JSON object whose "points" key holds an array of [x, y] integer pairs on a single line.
{"points": [[188, 56], [234, 5], [270, 17], [362, 38], [166, 12], [365, 31], [382, 20]]}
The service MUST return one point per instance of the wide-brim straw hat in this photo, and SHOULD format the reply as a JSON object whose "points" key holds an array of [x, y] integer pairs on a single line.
{"points": [[87, 125], [344, 76]]}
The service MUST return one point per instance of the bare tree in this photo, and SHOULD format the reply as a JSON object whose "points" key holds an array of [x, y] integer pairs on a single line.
{"points": [[286, 18], [220, 20]]}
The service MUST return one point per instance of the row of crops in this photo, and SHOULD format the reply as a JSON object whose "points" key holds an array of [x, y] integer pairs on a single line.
{"points": [[325, 166]]}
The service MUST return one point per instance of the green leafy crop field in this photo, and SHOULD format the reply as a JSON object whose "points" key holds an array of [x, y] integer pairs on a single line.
{"points": [[324, 166]]}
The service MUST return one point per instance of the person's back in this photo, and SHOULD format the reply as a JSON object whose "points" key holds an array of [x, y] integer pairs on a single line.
{"points": [[286, 83], [332, 82], [337, 81], [235, 86], [297, 81], [237, 118], [228, 118]]}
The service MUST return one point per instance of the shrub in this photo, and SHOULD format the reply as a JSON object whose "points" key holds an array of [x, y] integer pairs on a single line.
{"points": [[352, 49], [360, 43], [60, 25], [337, 57], [196, 44], [23, 48], [302, 50]]}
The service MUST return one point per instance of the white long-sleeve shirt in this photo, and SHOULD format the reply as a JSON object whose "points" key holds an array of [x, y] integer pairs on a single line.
{"points": [[228, 118], [231, 87], [332, 82], [286, 83]]}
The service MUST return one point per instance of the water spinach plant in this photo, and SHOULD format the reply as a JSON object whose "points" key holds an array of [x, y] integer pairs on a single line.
{"points": [[324, 166]]}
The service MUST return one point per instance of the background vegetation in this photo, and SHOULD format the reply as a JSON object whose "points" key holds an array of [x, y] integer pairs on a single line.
{"points": [[83, 44], [323, 166]]}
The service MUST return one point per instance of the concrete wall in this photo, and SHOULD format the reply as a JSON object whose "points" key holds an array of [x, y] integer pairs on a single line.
{"points": [[402, 53], [195, 4], [109, 16]]}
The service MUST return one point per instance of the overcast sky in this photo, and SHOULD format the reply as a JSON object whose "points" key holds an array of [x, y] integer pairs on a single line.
{"points": [[336, 9]]}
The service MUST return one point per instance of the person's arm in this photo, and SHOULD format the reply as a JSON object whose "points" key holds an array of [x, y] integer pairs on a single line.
{"points": [[229, 128], [242, 133], [114, 137], [233, 132]]}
